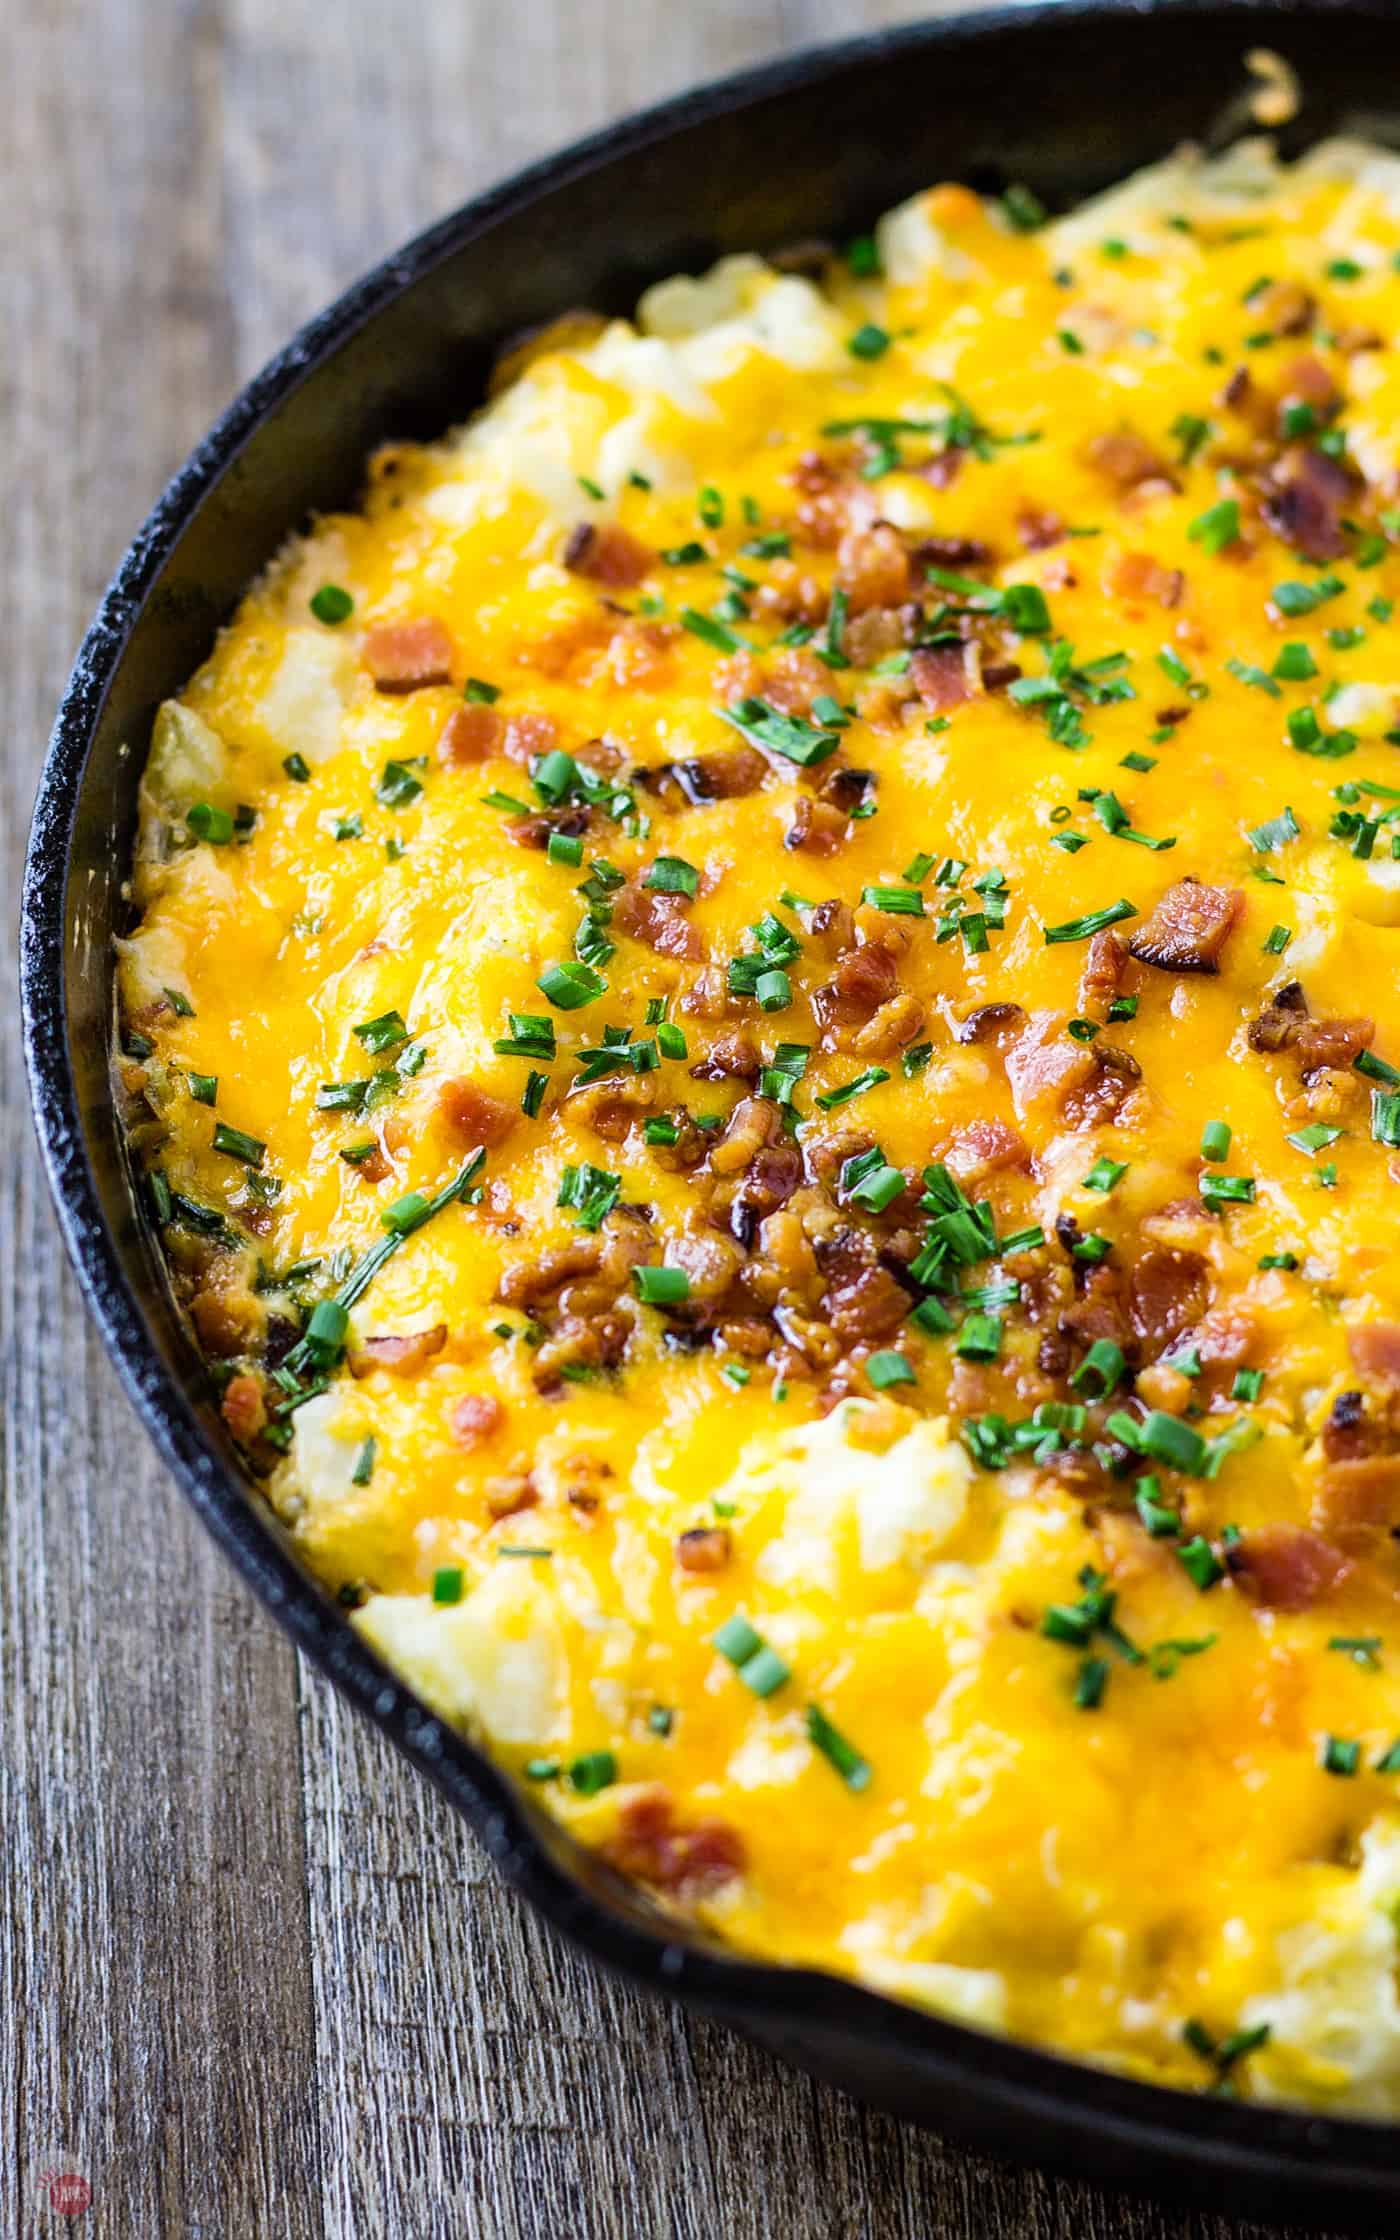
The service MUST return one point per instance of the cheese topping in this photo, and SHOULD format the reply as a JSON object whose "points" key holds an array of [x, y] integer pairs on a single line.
{"points": [[763, 1028]]}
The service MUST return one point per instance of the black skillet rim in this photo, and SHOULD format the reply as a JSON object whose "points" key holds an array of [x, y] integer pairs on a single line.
{"points": [[1050, 2108]]}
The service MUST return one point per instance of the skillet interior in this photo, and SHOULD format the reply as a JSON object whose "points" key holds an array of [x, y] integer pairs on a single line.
{"points": [[1064, 97]]}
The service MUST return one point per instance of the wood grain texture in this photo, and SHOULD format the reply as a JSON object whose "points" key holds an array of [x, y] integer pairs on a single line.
{"points": [[254, 1978]]}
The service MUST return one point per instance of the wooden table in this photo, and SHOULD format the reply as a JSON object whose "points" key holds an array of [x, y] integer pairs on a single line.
{"points": [[256, 1979]]}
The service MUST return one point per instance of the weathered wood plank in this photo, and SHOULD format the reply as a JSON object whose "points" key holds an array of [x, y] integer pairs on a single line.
{"points": [[153, 1940]]}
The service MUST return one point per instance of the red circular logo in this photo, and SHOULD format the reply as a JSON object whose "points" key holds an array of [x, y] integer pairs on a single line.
{"points": [[69, 2192]]}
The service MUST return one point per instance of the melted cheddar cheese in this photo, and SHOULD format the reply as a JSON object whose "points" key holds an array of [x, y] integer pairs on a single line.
{"points": [[764, 1028]]}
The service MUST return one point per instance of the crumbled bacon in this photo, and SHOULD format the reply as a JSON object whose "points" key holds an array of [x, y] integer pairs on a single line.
{"points": [[1104, 966], [1305, 501], [705, 1548], [406, 656], [1042, 1063], [989, 1022], [945, 676], [243, 1407], [685, 1862], [401, 1355], [872, 567], [1038, 528], [986, 1147], [472, 1114], [818, 828], [1358, 1496], [731, 1057], [1189, 927], [1318, 1044], [474, 1417], [1286, 1567], [659, 920], [529, 734], [1284, 307], [471, 734], [1308, 381], [1136, 575], [1375, 1348], [1126, 459], [1168, 1293], [607, 553]]}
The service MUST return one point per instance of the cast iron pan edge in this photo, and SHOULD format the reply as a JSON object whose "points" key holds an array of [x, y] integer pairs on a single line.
{"points": [[1003, 2097]]}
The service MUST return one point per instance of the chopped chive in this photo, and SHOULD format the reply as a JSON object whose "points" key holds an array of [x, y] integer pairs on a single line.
{"points": [[236, 1145], [297, 766], [1215, 1139], [1276, 940], [211, 824], [1295, 663], [478, 690], [1161, 1522], [870, 1079], [1277, 832], [897, 902], [713, 633], [1080, 929], [1168, 1440], [661, 1287], [1200, 1563], [1090, 1684], [854, 1770], [565, 847], [569, 986], [447, 1582], [1100, 1369], [868, 341], [1105, 1174], [203, 1087], [595, 1770], [331, 604], [737, 1640], [1218, 526], [1339, 1755], [890, 1368], [673, 875]]}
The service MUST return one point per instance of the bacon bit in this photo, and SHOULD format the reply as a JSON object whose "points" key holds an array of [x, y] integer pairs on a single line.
{"points": [[537, 831], [1284, 307], [996, 675], [864, 1305], [1358, 1496], [473, 1115], [470, 734], [658, 920], [537, 1280], [892, 1028], [1304, 504], [957, 552], [709, 777], [406, 656], [1168, 1292], [243, 1408], [1042, 1063], [1308, 381], [704, 1549], [607, 553], [1189, 927], [374, 1167], [529, 734], [880, 630], [1375, 1348], [872, 567], [507, 1496], [1136, 575], [1104, 967], [986, 1147], [228, 1318], [945, 676], [639, 653], [1114, 1076], [474, 1418], [817, 829], [1038, 528], [989, 1022], [1332, 1044], [1126, 460], [401, 1356], [1286, 1567], [686, 1862], [793, 679]]}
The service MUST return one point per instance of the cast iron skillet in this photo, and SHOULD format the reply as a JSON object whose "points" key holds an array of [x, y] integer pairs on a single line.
{"points": [[1066, 97]]}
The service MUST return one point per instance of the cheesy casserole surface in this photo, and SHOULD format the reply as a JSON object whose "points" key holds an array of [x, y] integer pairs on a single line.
{"points": [[763, 1029]]}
